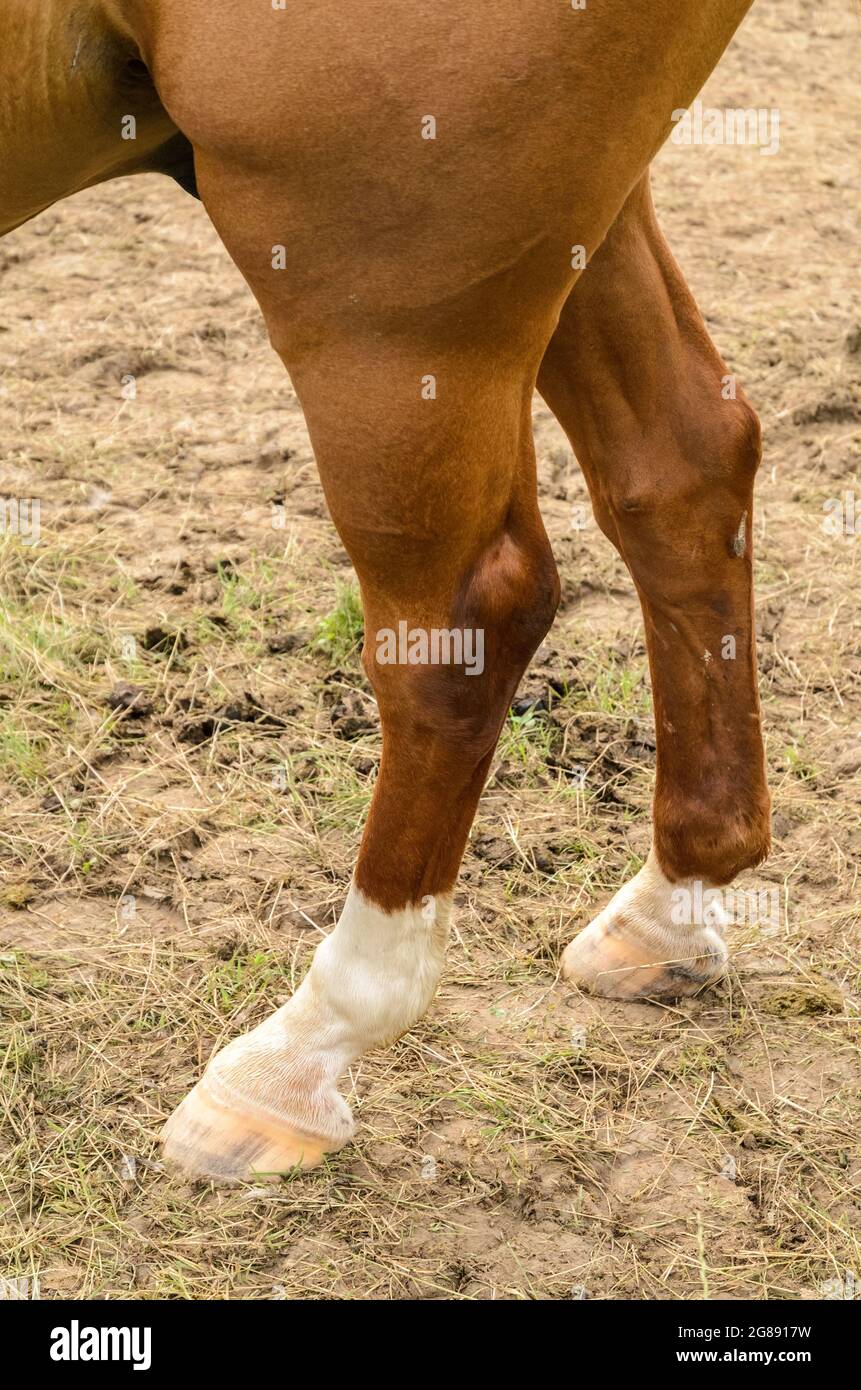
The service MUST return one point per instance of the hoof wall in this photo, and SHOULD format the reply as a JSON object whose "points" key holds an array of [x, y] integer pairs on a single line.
{"points": [[208, 1139], [605, 963]]}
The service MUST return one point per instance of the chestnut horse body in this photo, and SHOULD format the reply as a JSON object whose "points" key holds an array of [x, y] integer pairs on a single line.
{"points": [[412, 191]]}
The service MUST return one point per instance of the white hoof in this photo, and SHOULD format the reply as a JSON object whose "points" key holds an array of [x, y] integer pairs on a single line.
{"points": [[654, 940]]}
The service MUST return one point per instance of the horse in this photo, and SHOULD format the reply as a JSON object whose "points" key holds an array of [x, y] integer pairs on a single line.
{"points": [[440, 207]]}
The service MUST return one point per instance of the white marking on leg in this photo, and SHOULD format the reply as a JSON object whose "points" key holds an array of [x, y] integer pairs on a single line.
{"points": [[646, 929], [370, 980]]}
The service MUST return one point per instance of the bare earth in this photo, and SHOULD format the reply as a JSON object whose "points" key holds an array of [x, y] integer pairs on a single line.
{"points": [[167, 869]]}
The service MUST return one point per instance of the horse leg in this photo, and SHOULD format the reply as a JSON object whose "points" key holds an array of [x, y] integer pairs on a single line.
{"points": [[436, 503], [669, 449], [411, 286]]}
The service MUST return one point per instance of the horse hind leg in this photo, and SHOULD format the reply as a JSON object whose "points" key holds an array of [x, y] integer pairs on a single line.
{"points": [[670, 449]]}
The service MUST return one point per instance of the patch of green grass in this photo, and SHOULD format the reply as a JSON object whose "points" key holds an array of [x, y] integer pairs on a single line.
{"points": [[237, 982], [20, 1058], [619, 690], [23, 756], [81, 844], [525, 737], [248, 596], [244, 592], [151, 1021], [697, 1059], [29, 641], [799, 764], [28, 974], [340, 632]]}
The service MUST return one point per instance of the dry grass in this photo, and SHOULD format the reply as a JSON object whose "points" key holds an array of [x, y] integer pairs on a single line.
{"points": [[167, 871]]}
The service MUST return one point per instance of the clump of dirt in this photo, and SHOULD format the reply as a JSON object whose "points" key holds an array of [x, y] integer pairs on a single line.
{"points": [[18, 895], [802, 1000], [133, 699]]}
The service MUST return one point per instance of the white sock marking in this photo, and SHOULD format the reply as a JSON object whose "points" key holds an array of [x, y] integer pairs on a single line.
{"points": [[370, 980]]}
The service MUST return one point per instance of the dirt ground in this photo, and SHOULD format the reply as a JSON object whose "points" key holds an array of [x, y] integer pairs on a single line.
{"points": [[168, 868]]}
